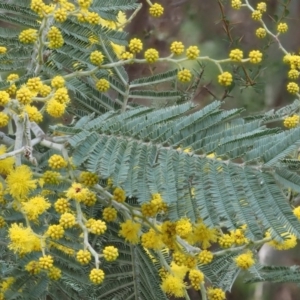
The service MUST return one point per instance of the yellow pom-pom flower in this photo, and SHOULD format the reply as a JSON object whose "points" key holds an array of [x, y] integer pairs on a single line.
{"points": [[93, 18], [173, 286], [205, 257], [110, 253], [24, 95], [109, 214], [34, 84], [151, 55], [54, 273], [183, 227], [55, 38], [291, 122], [85, 4], [46, 262], [296, 212], [236, 4], [45, 90], [51, 177], [57, 162], [282, 27], [225, 79], [12, 77], [20, 182], [184, 75], [62, 205], [151, 240], [83, 256], [4, 118], [28, 36], [61, 95], [33, 114], [262, 7], [96, 58], [33, 267], [177, 48], [4, 98], [293, 74], [98, 227], [156, 10], [236, 55], [57, 82], [245, 260], [215, 294], [55, 232], [77, 192], [130, 231], [192, 52], [255, 56], [67, 220], [119, 195], [135, 45], [196, 277], [256, 15], [60, 15], [226, 241], [55, 109], [3, 50], [126, 55], [102, 85], [97, 276], [88, 178], [292, 87], [261, 33], [35, 206]]}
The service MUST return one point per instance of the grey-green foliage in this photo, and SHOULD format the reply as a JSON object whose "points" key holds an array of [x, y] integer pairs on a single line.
{"points": [[140, 151]]}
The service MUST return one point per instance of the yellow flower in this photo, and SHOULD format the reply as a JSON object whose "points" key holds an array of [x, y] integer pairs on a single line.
{"points": [[205, 257], [291, 122], [225, 79], [296, 212], [33, 114], [55, 38], [24, 95], [192, 52], [83, 256], [4, 118], [88, 178], [3, 50], [97, 276], [45, 90], [46, 262], [215, 294], [57, 162], [12, 77], [151, 55], [96, 58], [262, 6], [56, 232], [184, 75], [256, 15], [61, 95], [119, 195], [130, 230], [55, 109], [135, 45], [177, 48], [103, 85], [109, 214], [4, 98], [57, 82], [28, 36], [152, 240], [226, 241], [62, 205], [183, 227], [85, 3], [34, 84], [260, 33], [22, 240], [92, 18], [60, 15], [245, 260], [292, 87], [33, 267], [173, 286], [290, 241], [110, 253], [6, 165], [236, 55], [236, 4], [35, 206], [67, 220], [98, 227], [54, 273], [196, 277], [282, 27], [127, 55], [156, 10], [77, 192], [255, 56], [19, 182]]}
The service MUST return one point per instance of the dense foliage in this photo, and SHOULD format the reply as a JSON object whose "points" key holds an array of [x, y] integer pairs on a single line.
{"points": [[130, 201]]}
